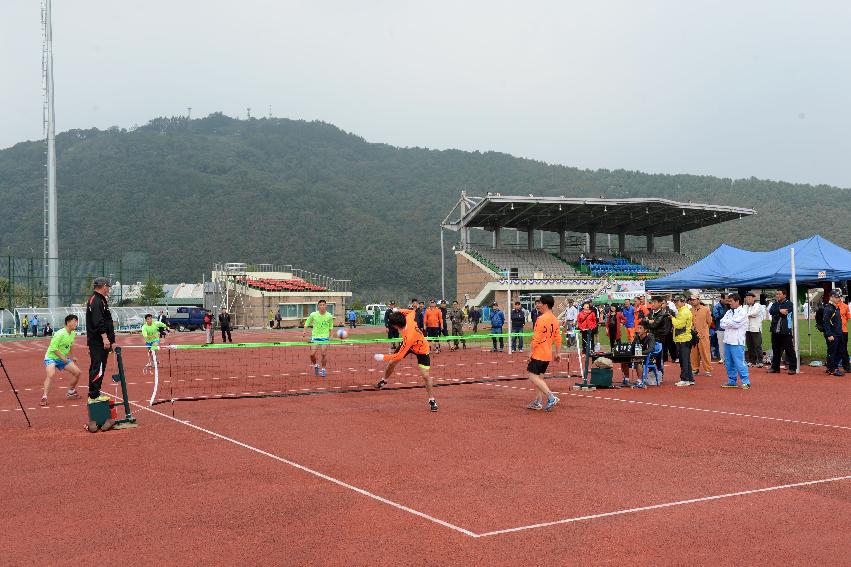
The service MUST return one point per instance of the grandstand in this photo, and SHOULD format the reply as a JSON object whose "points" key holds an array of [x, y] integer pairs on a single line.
{"points": [[492, 271], [661, 261], [251, 292], [520, 263]]}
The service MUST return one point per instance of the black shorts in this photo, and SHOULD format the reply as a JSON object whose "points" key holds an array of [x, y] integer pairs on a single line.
{"points": [[433, 331], [392, 333], [537, 366], [423, 360]]}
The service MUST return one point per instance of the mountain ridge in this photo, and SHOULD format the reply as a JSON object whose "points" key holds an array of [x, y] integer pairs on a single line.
{"points": [[195, 192]]}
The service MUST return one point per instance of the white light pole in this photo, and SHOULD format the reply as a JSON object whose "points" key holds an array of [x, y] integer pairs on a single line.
{"points": [[51, 251]]}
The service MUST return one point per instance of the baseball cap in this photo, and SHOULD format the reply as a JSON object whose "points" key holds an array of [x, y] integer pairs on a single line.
{"points": [[750, 294], [836, 292], [101, 282]]}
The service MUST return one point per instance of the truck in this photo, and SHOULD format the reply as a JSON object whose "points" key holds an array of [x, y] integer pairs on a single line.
{"points": [[187, 319]]}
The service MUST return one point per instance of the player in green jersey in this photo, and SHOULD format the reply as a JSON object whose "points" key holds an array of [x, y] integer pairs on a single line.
{"points": [[58, 357], [151, 334], [322, 323]]}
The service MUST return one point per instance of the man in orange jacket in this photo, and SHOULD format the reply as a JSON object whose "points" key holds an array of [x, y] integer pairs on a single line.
{"points": [[433, 321], [845, 315]]}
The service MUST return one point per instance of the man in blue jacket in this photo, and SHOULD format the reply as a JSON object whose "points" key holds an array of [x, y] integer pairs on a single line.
{"points": [[832, 323], [782, 312], [497, 322]]}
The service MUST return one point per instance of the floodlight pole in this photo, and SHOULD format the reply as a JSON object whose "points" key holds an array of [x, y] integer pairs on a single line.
{"points": [[793, 293], [51, 250]]}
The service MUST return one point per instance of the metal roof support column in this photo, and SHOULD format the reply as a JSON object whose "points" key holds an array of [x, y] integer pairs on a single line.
{"points": [[651, 246], [677, 240], [530, 237], [562, 242], [621, 243], [592, 242]]}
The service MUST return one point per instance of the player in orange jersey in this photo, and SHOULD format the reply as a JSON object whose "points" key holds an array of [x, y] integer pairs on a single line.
{"points": [[545, 335], [414, 342]]}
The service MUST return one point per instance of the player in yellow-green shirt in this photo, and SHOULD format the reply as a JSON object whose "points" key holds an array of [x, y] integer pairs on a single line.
{"points": [[151, 334], [322, 323], [58, 357]]}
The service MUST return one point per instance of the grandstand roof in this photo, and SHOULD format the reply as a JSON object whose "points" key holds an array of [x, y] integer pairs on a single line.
{"points": [[656, 217]]}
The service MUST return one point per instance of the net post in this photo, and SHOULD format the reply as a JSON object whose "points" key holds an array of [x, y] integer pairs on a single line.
{"points": [[156, 364], [14, 391], [128, 415]]}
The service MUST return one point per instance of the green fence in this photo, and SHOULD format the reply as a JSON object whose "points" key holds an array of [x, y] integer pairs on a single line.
{"points": [[23, 281]]}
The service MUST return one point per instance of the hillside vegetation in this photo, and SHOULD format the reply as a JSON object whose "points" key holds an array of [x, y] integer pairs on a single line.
{"points": [[192, 193]]}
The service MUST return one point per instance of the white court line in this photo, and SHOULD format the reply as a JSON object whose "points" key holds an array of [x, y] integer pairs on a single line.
{"points": [[315, 473], [659, 506], [686, 408]]}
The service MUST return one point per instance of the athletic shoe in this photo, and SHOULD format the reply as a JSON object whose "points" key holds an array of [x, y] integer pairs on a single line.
{"points": [[625, 381], [746, 386], [316, 370], [773, 371], [535, 405], [839, 372], [43, 401], [493, 350], [101, 398], [760, 365], [380, 384], [72, 395], [792, 372], [683, 383], [501, 350], [432, 405], [551, 403], [322, 373], [639, 386], [708, 374], [730, 385], [750, 364]]}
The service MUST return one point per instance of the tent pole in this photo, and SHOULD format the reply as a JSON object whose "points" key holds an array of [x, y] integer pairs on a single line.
{"points": [[793, 293], [809, 330]]}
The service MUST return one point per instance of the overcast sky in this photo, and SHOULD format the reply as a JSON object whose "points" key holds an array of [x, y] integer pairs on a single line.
{"points": [[733, 89]]}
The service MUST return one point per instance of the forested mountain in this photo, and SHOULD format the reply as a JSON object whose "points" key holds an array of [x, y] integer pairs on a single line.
{"points": [[306, 193]]}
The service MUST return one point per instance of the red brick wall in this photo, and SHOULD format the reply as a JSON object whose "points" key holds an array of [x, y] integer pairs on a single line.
{"points": [[470, 278]]}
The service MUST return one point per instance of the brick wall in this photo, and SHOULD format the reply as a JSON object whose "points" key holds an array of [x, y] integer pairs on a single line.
{"points": [[470, 278]]}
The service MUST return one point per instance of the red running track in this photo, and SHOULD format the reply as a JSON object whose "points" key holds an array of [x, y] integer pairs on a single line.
{"points": [[221, 483]]}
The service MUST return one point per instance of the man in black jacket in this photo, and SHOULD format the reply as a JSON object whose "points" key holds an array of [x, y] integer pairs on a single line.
{"points": [[393, 332], [100, 336], [659, 324], [518, 321], [782, 313], [832, 323], [224, 325]]}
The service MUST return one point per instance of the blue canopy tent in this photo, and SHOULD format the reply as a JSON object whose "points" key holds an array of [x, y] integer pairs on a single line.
{"points": [[816, 259], [713, 271]]}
